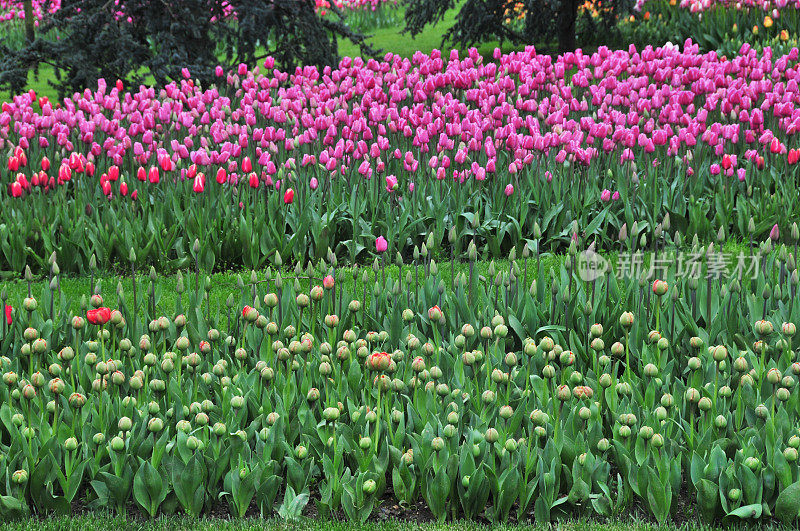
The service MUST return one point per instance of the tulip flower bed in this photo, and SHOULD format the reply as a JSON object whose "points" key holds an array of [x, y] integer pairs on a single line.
{"points": [[721, 25], [13, 10], [12, 19], [332, 159], [495, 396]]}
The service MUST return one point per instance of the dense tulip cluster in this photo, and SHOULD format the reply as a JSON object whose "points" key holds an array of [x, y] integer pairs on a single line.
{"points": [[698, 6], [722, 26], [354, 5], [11, 10], [610, 137], [477, 397]]}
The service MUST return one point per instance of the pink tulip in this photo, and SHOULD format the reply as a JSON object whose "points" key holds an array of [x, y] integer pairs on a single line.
{"points": [[774, 233], [381, 244]]}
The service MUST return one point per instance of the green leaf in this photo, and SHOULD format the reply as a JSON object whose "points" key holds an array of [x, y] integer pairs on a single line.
{"points": [[787, 507], [188, 481], [12, 508], [658, 497], [149, 488], [707, 498], [748, 511]]}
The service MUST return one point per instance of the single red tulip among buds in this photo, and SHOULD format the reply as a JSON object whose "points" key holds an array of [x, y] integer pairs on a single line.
{"points": [[100, 316]]}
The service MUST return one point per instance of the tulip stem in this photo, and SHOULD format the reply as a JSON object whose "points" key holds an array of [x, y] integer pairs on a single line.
{"points": [[627, 357], [378, 421]]}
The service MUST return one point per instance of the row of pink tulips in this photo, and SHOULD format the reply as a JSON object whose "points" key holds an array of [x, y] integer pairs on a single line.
{"points": [[445, 116]]}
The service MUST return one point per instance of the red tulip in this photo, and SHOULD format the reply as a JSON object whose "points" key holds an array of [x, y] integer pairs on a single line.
{"points": [[247, 166], [16, 189], [9, 309], [100, 316], [199, 183], [165, 162], [123, 189], [288, 196], [222, 176], [141, 174], [252, 179], [45, 163], [153, 175], [113, 173], [64, 173]]}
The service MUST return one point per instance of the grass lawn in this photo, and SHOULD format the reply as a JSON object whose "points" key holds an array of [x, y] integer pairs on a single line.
{"points": [[225, 283], [395, 41]]}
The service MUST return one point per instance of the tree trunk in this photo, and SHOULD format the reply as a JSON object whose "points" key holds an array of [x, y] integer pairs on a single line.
{"points": [[567, 16], [28, 7]]}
